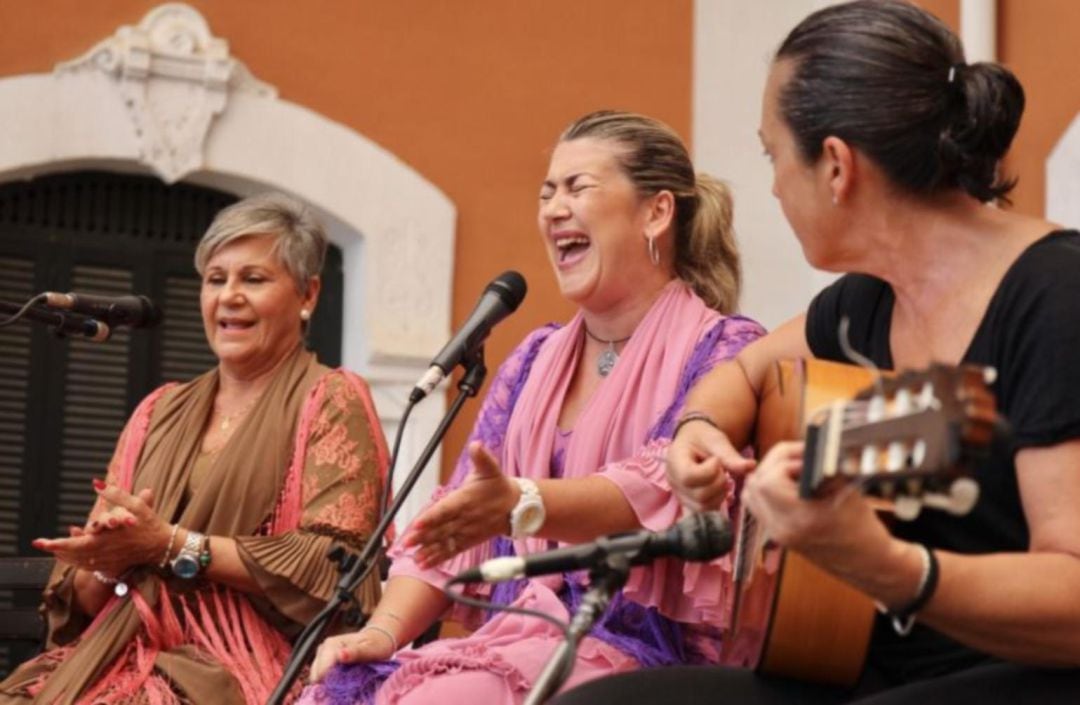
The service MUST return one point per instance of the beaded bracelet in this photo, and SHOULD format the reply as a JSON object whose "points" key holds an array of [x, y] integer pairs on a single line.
{"points": [[903, 619], [693, 416], [119, 585]]}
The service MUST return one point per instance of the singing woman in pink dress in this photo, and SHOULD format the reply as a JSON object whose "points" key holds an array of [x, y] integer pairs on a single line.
{"points": [[574, 423]]}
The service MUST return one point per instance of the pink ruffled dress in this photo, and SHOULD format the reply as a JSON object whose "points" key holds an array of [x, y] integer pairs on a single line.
{"points": [[668, 612]]}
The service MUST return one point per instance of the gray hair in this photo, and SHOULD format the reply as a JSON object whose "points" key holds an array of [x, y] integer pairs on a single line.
{"points": [[300, 240]]}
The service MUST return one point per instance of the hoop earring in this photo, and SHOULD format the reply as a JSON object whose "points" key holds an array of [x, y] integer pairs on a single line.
{"points": [[654, 252]]}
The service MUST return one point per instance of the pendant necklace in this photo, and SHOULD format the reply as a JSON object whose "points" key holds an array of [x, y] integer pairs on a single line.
{"points": [[605, 362], [227, 421]]}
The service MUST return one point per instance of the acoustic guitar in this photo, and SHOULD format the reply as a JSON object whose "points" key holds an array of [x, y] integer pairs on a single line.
{"points": [[906, 440]]}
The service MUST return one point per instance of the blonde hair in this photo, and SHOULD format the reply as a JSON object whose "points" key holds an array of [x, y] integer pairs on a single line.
{"points": [[656, 160], [300, 240]]}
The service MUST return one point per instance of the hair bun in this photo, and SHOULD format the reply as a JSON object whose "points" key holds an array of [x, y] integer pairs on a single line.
{"points": [[984, 118]]}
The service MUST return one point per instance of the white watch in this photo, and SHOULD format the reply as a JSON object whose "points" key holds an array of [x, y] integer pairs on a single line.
{"points": [[528, 515]]}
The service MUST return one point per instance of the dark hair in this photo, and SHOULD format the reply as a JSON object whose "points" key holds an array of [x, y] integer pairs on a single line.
{"points": [[890, 79], [655, 159]]}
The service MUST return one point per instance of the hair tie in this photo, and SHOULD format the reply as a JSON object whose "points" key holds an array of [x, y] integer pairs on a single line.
{"points": [[953, 70]]}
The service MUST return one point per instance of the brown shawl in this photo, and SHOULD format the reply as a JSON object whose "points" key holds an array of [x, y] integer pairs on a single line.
{"points": [[237, 499]]}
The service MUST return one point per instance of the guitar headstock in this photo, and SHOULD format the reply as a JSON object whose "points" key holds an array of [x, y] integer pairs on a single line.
{"points": [[910, 439]]}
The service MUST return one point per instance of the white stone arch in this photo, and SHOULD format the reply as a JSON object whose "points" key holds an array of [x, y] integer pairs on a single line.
{"points": [[1063, 178], [165, 97]]}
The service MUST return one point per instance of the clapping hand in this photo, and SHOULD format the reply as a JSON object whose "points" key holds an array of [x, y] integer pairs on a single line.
{"points": [[123, 532]]}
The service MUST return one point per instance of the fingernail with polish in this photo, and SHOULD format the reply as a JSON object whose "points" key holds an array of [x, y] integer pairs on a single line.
{"points": [[99, 484]]}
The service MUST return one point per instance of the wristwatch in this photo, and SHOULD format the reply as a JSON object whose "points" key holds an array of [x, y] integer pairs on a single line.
{"points": [[528, 515], [189, 561]]}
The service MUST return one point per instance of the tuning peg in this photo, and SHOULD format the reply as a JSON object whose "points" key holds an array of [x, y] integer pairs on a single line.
{"points": [[961, 498], [907, 507]]}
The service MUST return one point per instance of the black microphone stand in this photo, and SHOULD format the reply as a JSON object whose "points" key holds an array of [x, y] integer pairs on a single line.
{"points": [[606, 579], [355, 568]]}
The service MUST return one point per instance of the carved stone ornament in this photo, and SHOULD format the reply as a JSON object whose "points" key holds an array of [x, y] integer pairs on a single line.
{"points": [[172, 78]]}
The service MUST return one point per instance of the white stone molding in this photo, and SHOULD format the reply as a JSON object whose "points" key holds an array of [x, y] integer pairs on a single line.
{"points": [[1063, 178], [172, 78], [168, 85], [733, 47]]}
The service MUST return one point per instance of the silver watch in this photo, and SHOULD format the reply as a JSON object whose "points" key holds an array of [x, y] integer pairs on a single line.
{"points": [[528, 515], [187, 563]]}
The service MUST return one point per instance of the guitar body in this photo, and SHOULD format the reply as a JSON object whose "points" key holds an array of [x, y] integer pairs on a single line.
{"points": [[791, 618]]}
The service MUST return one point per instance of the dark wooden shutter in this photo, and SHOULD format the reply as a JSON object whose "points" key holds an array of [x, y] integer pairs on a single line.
{"points": [[16, 284], [63, 403], [95, 401], [184, 354]]}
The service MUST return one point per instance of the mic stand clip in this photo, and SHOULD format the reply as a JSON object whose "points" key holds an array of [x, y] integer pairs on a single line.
{"points": [[605, 580]]}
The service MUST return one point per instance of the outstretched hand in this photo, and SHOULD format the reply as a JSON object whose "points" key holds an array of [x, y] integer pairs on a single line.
{"points": [[473, 513], [123, 533]]}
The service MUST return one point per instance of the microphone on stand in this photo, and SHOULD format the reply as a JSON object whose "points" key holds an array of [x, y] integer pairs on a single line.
{"points": [[501, 298], [134, 311], [698, 537], [69, 324]]}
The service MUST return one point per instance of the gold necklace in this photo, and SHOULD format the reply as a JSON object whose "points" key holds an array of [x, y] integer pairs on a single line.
{"points": [[226, 422]]}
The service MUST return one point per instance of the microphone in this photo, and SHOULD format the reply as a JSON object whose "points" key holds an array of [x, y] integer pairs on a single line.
{"points": [[134, 311], [698, 537], [70, 324], [501, 298]]}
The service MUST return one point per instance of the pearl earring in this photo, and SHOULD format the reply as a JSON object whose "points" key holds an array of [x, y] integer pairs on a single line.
{"points": [[305, 315]]}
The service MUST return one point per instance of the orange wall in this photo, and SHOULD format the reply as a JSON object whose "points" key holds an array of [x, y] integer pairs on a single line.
{"points": [[1037, 40], [471, 93], [948, 11]]}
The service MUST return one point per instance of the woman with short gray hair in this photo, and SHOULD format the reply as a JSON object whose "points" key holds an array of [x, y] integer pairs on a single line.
{"points": [[205, 551], [300, 242]]}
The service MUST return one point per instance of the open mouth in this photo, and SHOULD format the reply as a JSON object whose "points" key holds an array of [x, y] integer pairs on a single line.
{"points": [[571, 248], [234, 324]]}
